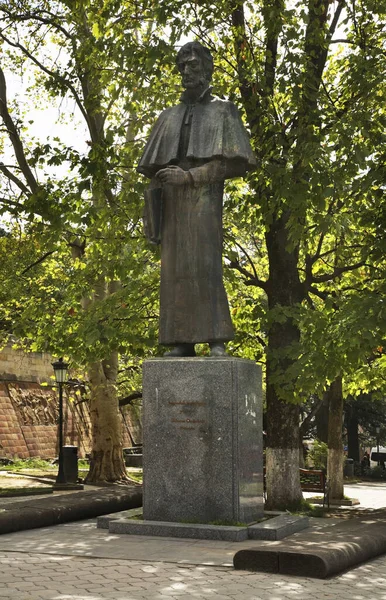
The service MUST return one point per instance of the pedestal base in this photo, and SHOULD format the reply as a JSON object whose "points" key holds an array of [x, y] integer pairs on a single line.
{"points": [[202, 440], [67, 486]]}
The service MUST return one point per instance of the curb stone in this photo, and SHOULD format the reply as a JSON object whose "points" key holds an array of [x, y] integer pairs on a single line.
{"points": [[321, 556], [65, 508]]}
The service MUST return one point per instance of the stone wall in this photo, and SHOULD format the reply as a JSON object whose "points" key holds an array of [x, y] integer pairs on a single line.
{"points": [[16, 365], [29, 411]]}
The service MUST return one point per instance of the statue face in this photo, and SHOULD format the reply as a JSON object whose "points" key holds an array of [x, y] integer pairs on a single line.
{"points": [[191, 71]]}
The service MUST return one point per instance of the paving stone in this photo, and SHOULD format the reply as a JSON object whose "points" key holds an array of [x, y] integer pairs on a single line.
{"points": [[153, 580]]}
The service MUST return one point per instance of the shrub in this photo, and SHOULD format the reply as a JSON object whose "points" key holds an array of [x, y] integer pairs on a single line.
{"points": [[377, 472], [358, 469]]}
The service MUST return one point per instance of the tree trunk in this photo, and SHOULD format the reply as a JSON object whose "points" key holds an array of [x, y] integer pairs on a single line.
{"points": [[302, 458], [335, 445], [107, 463], [282, 453], [306, 425], [321, 420]]}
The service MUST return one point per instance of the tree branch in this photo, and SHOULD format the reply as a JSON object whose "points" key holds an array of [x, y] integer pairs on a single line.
{"points": [[247, 90], [272, 11], [248, 259], [322, 295], [335, 18], [53, 74], [16, 142], [38, 261], [35, 16], [304, 426], [337, 272], [316, 46], [250, 279], [129, 399], [7, 202], [15, 179]]}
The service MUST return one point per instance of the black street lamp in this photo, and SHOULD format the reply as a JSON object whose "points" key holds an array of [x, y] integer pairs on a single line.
{"points": [[60, 370], [377, 430]]}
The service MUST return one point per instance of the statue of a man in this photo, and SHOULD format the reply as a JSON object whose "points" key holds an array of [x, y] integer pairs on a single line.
{"points": [[192, 149]]}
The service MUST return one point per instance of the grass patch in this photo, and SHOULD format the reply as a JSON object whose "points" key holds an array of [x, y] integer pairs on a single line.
{"points": [[39, 464], [308, 509], [41, 467], [227, 523], [296, 507], [313, 499], [83, 465], [30, 463], [316, 511], [24, 491], [135, 475]]}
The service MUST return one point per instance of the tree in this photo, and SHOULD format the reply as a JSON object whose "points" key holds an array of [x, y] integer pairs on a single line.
{"points": [[83, 227], [300, 80], [309, 78]]}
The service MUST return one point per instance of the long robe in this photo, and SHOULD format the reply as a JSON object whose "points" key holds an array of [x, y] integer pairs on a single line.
{"points": [[207, 139]]}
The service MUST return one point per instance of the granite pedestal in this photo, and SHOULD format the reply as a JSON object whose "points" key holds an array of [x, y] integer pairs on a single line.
{"points": [[202, 440]]}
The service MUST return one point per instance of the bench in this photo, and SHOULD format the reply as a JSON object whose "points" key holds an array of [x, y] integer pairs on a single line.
{"points": [[314, 480]]}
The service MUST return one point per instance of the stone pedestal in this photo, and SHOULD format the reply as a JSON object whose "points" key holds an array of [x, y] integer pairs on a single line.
{"points": [[202, 440]]}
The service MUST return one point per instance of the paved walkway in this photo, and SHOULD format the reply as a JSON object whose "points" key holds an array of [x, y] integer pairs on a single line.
{"points": [[82, 538], [76, 561], [371, 494], [43, 577]]}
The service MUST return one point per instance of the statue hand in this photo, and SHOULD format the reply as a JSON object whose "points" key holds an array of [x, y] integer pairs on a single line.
{"points": [[173, 175]]}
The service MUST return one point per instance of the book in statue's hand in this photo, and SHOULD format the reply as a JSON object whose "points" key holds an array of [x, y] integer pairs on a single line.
{"points": [[152, 215]]}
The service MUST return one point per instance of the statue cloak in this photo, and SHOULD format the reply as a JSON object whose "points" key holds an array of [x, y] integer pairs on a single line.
{"points": [[217, 131], [209, 140]]}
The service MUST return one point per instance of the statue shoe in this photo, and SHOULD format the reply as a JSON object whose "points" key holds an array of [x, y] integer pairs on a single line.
{"points": [[181, 350], [217, 349]]}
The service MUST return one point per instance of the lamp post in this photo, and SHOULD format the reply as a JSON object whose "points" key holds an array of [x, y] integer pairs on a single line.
{"points": [[377, 430], [60, 370]]}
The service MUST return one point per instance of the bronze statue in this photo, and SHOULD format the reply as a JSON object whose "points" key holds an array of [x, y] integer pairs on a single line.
{"points": [[192, 149]]}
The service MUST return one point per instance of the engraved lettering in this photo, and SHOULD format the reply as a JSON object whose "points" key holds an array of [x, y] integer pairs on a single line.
{"points": [[188, 420], [186, 403]]}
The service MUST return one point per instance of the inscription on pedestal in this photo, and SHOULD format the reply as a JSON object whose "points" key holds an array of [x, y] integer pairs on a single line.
{"points": [[186, 423]]}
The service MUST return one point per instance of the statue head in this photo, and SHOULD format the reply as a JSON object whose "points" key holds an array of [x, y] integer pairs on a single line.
{"points": [[195, 63]]}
